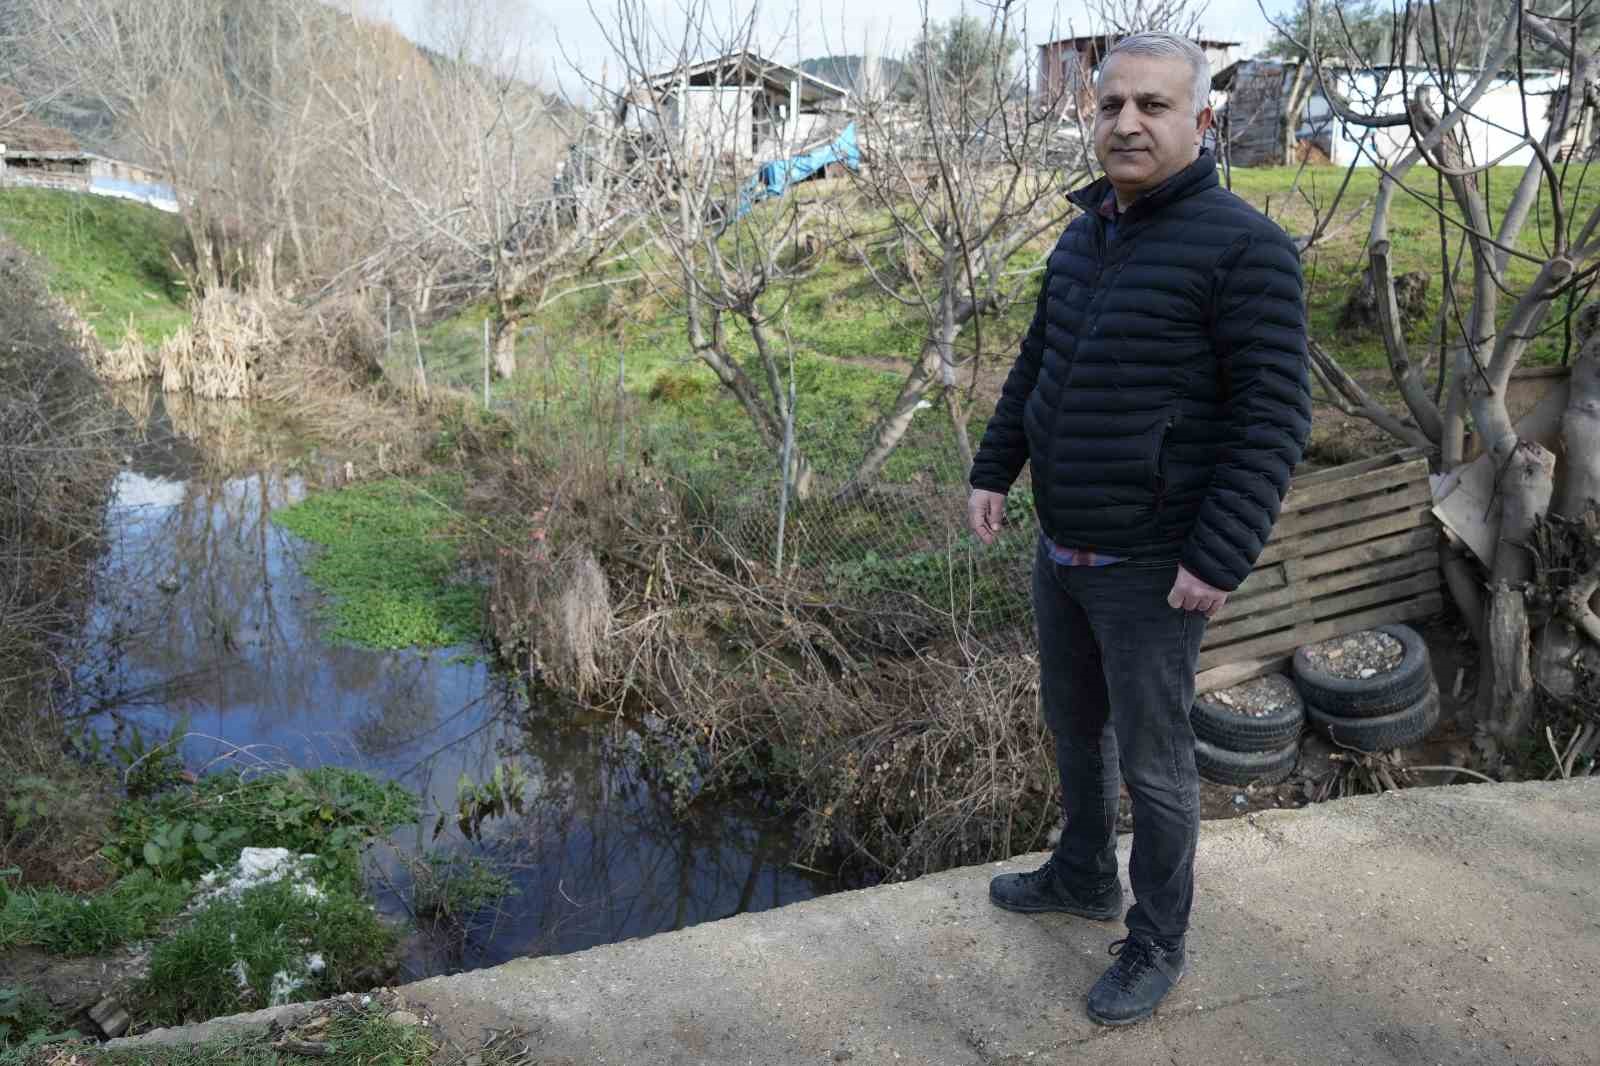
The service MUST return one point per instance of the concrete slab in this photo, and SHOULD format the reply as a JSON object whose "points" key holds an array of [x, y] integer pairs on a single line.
{"points": [[1451, 925]]}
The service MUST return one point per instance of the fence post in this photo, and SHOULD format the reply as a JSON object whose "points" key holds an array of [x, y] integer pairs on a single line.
{"points": [[422, 371], [486, 363], [388, 326], [788, 466]]}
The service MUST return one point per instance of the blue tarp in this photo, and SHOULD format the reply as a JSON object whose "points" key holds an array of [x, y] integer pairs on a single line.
{"points": [[774, 178]]}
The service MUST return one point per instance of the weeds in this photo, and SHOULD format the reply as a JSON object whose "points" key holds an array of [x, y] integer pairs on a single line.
{"points": [[330, 812], [388, 561], [450, 890], [66, 924], [275, 944]]}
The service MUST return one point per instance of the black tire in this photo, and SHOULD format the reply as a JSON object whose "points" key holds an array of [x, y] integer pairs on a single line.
{"points": [[1224, 767], [1383, 733], [1220, 725], [1375, 697]]}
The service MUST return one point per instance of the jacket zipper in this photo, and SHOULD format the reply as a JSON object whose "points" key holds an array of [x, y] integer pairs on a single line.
{"points": [[1161, 461]]}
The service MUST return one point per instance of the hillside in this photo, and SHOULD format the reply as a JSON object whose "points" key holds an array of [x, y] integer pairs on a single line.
{"points": [[112, 260]]}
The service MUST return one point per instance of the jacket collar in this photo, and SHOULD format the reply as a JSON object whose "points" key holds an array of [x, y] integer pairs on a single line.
{"points": [[1195, 178]]}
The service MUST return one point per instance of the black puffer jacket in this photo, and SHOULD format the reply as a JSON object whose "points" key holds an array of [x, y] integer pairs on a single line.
{"points": [[1162, 394]]}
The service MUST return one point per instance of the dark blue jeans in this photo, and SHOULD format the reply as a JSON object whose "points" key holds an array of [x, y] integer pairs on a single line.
{"points": [[1116, 681]]}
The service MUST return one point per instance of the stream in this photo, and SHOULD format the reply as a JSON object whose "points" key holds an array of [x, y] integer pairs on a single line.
{"points": [[202, 619]]}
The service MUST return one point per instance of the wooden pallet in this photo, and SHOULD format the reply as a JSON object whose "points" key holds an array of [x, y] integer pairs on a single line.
{"points": [[1356, 546]]}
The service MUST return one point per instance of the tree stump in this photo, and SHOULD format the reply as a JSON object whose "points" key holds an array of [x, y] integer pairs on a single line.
{"points": [[1360, 313]]}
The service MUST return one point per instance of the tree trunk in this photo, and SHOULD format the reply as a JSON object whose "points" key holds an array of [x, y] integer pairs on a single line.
{"points": [[505, 347], [1580, 435], [1506, 702], [892, 427], [1506, 705]]}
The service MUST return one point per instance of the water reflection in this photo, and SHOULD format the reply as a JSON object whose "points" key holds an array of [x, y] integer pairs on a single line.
{"points": [[202, 614]]}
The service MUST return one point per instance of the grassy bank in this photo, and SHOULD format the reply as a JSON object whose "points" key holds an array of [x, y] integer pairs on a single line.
{"points": [[226, 940], [115, 262]]}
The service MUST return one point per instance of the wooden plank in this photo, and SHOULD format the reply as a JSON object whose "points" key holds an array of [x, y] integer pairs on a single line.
{"points": [[1261, 579], [1416, 540], [1416, 585], [1373, 529], [1337, 514], [1405, 566], [1282, 596], [1362, 466], [1311, 610], [1251, 625], [1288, 640], [1230, 674], [1300, 498]]}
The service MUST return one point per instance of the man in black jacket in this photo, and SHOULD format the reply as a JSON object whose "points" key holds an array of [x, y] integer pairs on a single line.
{"points": [[1162, 400]]}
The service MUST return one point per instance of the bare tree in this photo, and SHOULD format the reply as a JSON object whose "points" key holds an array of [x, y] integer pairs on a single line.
{"points": [[696, 110], [1427, 110], [969, 176], [456, 159]]}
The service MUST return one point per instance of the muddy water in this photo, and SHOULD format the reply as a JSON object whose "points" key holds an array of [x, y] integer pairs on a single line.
{"points": [[202, 616]]}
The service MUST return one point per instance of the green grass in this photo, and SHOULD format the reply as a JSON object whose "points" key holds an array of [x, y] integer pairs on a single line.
{"points": [[163, 844], [256, 951], [1335, 267], [353, 1036], [388, 561], [111, 259], [66, 924]]}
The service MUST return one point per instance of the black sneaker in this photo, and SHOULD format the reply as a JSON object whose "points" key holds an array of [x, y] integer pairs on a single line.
{"points": [[1043, 890], [1143, 974]]}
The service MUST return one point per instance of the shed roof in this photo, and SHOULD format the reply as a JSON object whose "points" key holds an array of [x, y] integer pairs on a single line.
{"points": [[746, 68]]}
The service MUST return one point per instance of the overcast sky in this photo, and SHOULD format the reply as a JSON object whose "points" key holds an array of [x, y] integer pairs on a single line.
{"points": [[553, 27]]}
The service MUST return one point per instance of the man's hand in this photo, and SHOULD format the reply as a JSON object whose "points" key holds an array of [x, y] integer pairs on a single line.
{"points": [[1189, 593], [986, 514]]}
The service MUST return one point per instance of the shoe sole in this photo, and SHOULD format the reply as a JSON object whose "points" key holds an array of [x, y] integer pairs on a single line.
{"points": [[1095, 916], [1115, 1022]]}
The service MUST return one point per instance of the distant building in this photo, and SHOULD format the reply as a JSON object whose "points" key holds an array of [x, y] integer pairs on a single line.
{"points": [[85, 172], [738, 105], [1067, 67], [1255, 98]]}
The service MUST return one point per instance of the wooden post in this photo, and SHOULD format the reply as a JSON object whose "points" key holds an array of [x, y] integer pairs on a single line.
{"points": [[486, 363]]}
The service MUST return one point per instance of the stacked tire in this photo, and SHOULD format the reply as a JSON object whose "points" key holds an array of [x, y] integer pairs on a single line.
{"points": [[1389, 710], [1236, 748]]}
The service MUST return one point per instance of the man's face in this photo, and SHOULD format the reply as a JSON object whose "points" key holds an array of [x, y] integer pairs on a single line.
{"points": [[1145, 128]]}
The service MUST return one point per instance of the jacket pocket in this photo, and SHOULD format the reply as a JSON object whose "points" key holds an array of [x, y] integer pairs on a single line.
{"points": [[1158, 461]]}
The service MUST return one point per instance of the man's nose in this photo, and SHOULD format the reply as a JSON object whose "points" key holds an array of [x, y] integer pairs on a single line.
{"points": [[1127, 124]]}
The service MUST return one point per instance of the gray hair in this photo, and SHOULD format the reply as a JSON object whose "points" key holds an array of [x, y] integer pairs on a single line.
{"points": [[1170, 46]]}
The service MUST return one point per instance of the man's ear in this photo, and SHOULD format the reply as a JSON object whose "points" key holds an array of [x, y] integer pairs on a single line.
{"points": [[1202, 123]]}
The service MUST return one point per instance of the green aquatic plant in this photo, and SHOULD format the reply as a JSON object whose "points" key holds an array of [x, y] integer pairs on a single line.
{"points": [[388, 563]]}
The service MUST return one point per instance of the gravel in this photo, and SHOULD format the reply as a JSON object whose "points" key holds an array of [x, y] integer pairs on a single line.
{"points": [[1258, 698], [1359, 655]]}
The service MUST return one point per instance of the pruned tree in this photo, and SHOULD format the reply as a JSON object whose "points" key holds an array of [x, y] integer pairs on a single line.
{"points": [[970, 178], [457, 156], [694, 109], [1484, 334]]}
